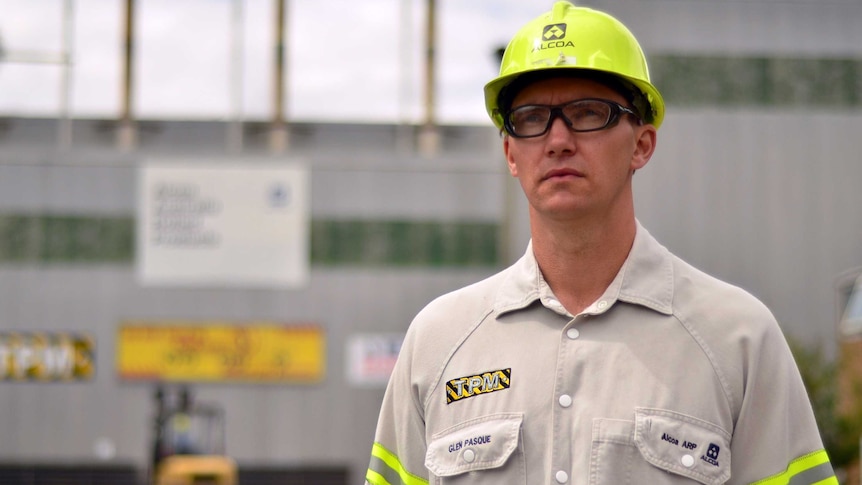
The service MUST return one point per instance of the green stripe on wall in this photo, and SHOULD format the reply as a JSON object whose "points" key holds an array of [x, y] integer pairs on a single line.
{"points": [[404, 243], [758, 81], [53, 239], [70, 239]]}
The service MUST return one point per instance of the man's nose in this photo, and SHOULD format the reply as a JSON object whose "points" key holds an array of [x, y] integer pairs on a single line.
{"points": [[560, 136]]}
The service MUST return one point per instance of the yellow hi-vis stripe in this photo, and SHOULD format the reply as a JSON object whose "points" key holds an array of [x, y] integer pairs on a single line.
{"points": [[378, 477], [801, 465]]}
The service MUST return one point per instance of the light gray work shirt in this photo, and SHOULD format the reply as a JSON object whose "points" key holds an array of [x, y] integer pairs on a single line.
{"points": [[670, 377]]}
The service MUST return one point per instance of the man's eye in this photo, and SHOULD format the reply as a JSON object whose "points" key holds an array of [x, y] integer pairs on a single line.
{"points": [[531, 116], [587, 113]]}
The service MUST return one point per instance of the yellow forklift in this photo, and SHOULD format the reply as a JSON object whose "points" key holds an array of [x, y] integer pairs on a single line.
{"points": [[189, 442]]}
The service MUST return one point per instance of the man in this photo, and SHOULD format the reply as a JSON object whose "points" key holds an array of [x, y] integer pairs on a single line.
{"points": [[599, 357]]}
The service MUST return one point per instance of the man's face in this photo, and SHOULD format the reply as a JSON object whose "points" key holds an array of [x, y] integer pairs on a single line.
{"points": [[566, 174]]}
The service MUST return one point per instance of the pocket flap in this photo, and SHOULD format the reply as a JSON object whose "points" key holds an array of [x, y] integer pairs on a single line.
{"points": [[477, 444], [683, 444]]}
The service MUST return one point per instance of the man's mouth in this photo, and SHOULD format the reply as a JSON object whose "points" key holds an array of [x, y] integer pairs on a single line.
{"points": [[562, 173]]}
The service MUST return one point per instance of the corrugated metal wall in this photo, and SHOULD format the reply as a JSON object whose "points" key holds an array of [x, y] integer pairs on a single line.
{"points": [[49, 286]]}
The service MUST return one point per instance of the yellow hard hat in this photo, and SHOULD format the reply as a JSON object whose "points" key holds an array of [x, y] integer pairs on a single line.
{"points": [[570, 37]]}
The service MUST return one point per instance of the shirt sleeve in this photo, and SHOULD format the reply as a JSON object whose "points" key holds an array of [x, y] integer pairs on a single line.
{"points": [[776, 439], [398, 452]]}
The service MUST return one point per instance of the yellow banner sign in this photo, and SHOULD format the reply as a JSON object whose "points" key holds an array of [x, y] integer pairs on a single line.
{"points": [[46, 356], [218, 351]]}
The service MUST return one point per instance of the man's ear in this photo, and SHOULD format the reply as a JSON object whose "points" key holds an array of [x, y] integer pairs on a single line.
{"points": [[513, 169], [645, 143]]}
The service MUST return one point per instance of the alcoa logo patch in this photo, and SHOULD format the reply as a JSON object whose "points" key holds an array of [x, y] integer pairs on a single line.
{"points": [[469, 386], [711, 456]]}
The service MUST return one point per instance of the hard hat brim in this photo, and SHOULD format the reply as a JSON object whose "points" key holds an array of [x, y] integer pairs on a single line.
{"points": [[492, 90]]}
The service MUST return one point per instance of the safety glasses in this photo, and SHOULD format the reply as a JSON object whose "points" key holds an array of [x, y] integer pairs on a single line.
{"points": [[581, 115]]}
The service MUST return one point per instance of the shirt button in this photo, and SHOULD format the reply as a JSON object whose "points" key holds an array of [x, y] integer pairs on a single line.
{"points": [[602, 304], [573, 333], [469, 456], [687, 461], [565, 400], [562, 477]]}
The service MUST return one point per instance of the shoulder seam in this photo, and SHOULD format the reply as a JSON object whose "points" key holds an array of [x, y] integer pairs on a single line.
{"points": [[445, 361], [725, 385]]}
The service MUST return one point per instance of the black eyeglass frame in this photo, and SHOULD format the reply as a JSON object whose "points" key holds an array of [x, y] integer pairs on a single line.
{"points": [[556, 111]]}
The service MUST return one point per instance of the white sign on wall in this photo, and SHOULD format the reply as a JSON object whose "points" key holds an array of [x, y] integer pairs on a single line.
{"points": [[371, 358], [242, 224]]}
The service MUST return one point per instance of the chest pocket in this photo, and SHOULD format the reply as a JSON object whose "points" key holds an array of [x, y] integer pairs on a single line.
{"points": [[486, 450], [660, 447]]}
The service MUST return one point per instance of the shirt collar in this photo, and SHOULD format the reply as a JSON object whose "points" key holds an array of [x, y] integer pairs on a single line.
{"points": [[645, 278]]}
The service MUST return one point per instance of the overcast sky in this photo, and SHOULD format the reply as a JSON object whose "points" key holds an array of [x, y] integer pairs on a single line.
{"points": [[348, 60]]}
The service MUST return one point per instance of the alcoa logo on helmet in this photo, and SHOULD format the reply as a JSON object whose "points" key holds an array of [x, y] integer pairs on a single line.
{"points": [[553, 36]]}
